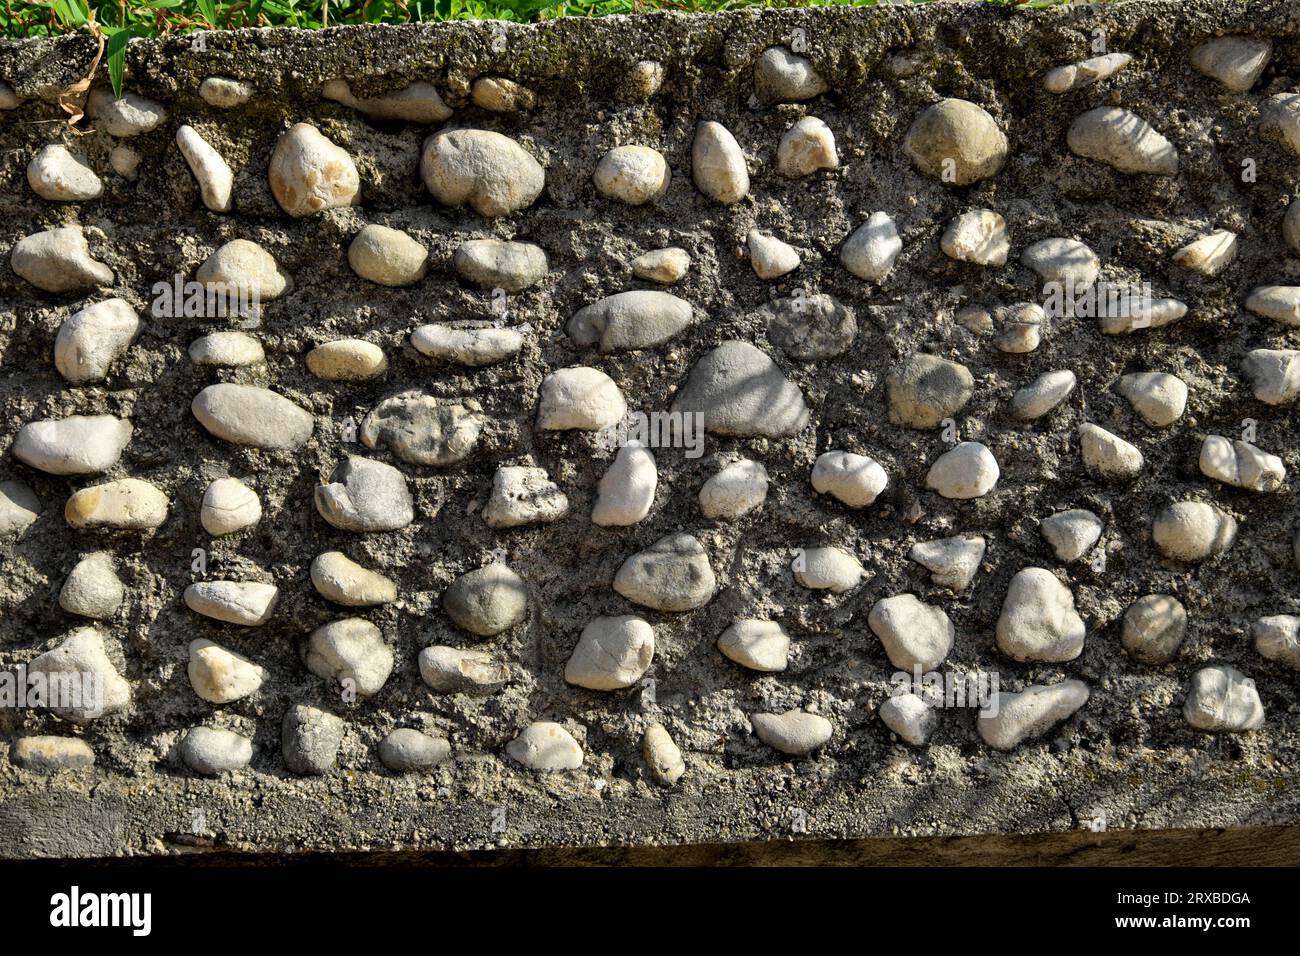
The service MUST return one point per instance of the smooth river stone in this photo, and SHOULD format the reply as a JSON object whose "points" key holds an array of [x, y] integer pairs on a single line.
{"points": [[76, 445], [249, 415]]}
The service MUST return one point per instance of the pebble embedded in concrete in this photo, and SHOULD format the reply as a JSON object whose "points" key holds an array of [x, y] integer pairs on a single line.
{"points": [[76, 445], [212, 751], [523, 496], [49, 754], [956, 142], [472, 348], [229, 349], [1241, 464], [82, 655], [718, 164], [1013, 718], [91, 340], [913, 633], [784, 77], [250, 603], [855, 480], [626, 492], [406, 750], [211, 172], [546, 746], [455, 670], [1273, 374], [417, 103], [1071, 533], [911, 717], [1193, 531], [809, 328], [762, 646], [611, 653], [338, 578], [769, 256], [364, 495], [1106, 455], [124, 116], [629, 321], [1076, 76], [1277, 637], [59, 260], [806, 147], [662, 755], [978, 236], [736, 490], [738, 390], [827, 569], [794, 732], [388, 257], [1222, 699], [1210, 254], [310, 739], [347, 360], [309, 173], [1043, 394], [1281, 303], [666, 265], [225, 92], [1038, 620], [1157, 397], [128, 504], [673, 574], [873, 248], [494, 264], [498, 94], [351, 651], [1153, 629], [967, 471], [952, 562], [926, 389], [1235, 61], [229, 506], [634, 175], [252, 416], [1122, 140], [241, 268], [486, 170], [487, 601], [93, 589], [579, 398], [60, 176], [220, 676]]}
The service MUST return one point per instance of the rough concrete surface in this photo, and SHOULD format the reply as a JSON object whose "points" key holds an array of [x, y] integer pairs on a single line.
{"points": [[1127, 756]]}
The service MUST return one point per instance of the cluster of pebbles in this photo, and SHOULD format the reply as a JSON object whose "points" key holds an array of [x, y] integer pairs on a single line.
{"points": [[737, 387]]}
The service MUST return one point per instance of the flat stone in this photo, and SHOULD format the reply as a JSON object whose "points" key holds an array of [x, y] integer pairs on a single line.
{"points": [[628, 321], [497, 94], [128, 504], [967, 471], [870, 252], [795, 732], [1153, 629], [1106, 455], [58, 260], [253, 416], [661, 265], [718, 164], [546, 746], [487, 601], [93, 589], [634, 175], [579, 398], [128, 115], [662, 756], [523, 496], [19, 507], [225, 92], [387, 256], [1235, 61], [76, 445], [250, 603], [769, 257], [952, 562], [1043, 394], [1071, 533], [978, 236], [351, 651], [45, 754], [81, 658], [1038, 620], [626, 492], [91, 340], [310, 174], [424, 430], [1122, 140], [925, 390], [740, 391], [473, 348], [417, 103], [1193, 531], [734, 491], [1241, 464], [1076, 76], [1278, 638], [408, 751], [1223, 700], [58, 175], [310, 740], [365, 495], [212, 751], [453, 670], [809, 328], [762, 646], [220, 676], [827, 569], [612, 653], [1274, 374], [211, 172], [1281, 303], [806, 147], [1160, 399], [914, 634], [784, 77], [488, 171], [229, 506], [1010, 719], [493, 264], [910, 717], [673, 574], [243, 269], [956, 142], [1210, 254], [338, 578], [855, 480], [347, 360], [228, 349]]}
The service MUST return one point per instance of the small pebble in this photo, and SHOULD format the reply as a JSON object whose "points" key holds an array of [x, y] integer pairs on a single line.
{"points": [[579, 398], [734, 491], [220, 676], [795, 732], [1106, 455], [253, 416], [1281, 303], [453, 670], [1223, 700], [310, 174], [1010, 719], [855, 480], [473, 348], [926, 389], [245, 268], [869, 253], [1038, 620], [387, 256], [806, 147], [969, 470], [76, 445], [91, 340], [81, 657], [224, 92], [19, 507], [643, 80], [910, 717], [1020, 328], [128, 504], [662, 756], [249, 603], [546, 746], [740, 391], [1153, 629], [979, 236], [1193, 531], [952, 562], [956, 142], [497, 94], [1241, 464], [50, 754], [351, 651], [493, 264], [417, 103], [228, 506], [1076, 76], [1280, 119], [1160, 399], [673, 574], [347, 360], [1235, 61], [632, 174], [628, 321], [1043, 394], [310, 740], [125, 162], [915, 635], [58, 175], [523, 496], [1071, 533], [365, 495], [212, 751], [784, 77], [661, 265], [770, 257], [759, 645], [338, 578], [487, 601], [1278, 638], [827, 569], [1274, 374], [1064, 261], [490, 172], [93, 589], [58, 260], [626, 492], [1210, 254], [718, 164], [809, 328], [229, 349], [129, 115], [612, 653], [1123, 140], [408, 751], [213, 175]]}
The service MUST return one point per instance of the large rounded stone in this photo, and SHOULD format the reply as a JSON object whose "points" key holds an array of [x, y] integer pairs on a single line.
{"points": [[956, 142], [487, 601], [490, 172], [926, 389], [309, 173], [673, 574], [740, 391]]}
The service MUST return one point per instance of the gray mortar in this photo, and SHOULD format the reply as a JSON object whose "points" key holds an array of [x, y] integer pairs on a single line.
{"points": [[1128, 752]]}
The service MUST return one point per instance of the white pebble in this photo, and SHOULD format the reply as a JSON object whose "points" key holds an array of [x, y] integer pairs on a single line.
{"points": [[827, 569], [1281, 303], [956, 142], [914, 634], [210, 171], [1210, 254], [1278, 638], [979, 236], [19, 507], [795, 732], [967, 471], [673, 574], [1123, 140], [661, 265], [1043, 394], [1223, 700], [129, 115], [911, 717], [1071, 533], [952, 562], [737, 389], [417, 103], [662, 755], [1193, 531], [770, 257], [1157, 397], [612, 653], [252, 416], [546, 746], [338, 578], [228, 506], [351, 651], [128, 504], [250, 603], [632, 174], [1038, 620], [58, 260], [58, 175], [523, 496], [387, 256], [1076, 76], [806, 147], [225, 92], [82, 656], [229, 349], [1274, 374], [872, 249], [718, 164], [243, 269], [1235, 61], [220, 676], [579, 398], [493, 264], [1241, 464], [626, 491], [855, 480], [310, 174], [490, 172], [76, 445], [473, 348], [90, 341], [759, 645], [365, 495], [734, 491], [92, 589], [1153, 629], [1106, 455], [627, 321], [454, 670], [1010, 719], [784, 77]]}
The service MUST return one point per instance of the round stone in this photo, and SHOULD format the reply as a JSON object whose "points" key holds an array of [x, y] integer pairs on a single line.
{"points": [[227, 349], [718, 164], [310, 174], [338, 578], [827, 569], [759, 645], [1193, 531], [387, 256], [632, 174], [253, 416], [58, 175], [212, 751], [967, 471], [1153, 628], [365, 496], [351, 651], [915, 635], [926, 389], [128, 504], [76, 445], [612, 653], [1038, 620], [229, 506], [490, 172], [795, 732], [956, 142], [546, 746], [408, 751], [220, 676], [734, 491], [855, 480], [93, 588], [673, 574], [424, 430], [487, 601], [347, 360]]}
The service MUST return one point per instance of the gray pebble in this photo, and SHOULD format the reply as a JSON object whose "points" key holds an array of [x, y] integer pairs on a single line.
{"points": [[212, 751], [740, 391], [673, 574], [310, 740], [407, 751], [364, 495], [487, 601]]}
